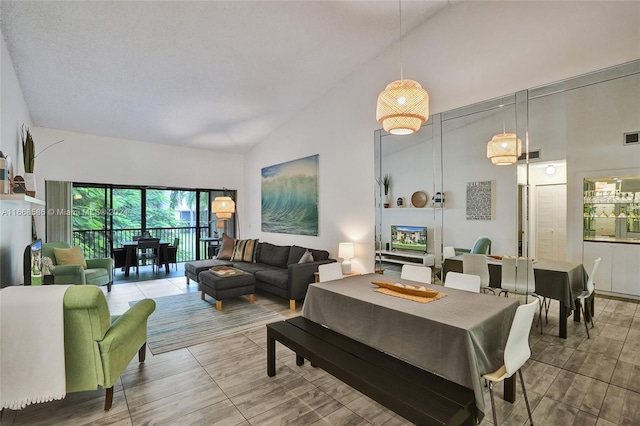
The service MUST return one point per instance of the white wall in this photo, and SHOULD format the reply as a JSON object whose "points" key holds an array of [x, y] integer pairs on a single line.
{"points": [[471, 52], [15, 231], [594, 134], [96, 159]]}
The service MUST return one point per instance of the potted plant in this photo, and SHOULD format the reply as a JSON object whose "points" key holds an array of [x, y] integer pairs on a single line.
{"points": [[29, 153], [385, 181]]}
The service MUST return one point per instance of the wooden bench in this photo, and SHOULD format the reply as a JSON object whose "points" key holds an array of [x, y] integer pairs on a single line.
{"points": [[417, 395]]}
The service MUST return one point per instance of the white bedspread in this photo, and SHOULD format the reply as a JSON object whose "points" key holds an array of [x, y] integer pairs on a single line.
{"points": [[31, 345]]}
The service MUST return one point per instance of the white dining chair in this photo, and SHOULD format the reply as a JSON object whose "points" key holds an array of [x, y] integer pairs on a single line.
{"points": [[448, 251], [460, 281], [516, 353], [476, 264], [330, 271], [518, 278], [585, 296], [417, 273]]}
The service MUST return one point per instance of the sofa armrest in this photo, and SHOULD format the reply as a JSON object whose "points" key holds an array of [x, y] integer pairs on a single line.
{"points": [[106, 263], [301, 275], [68, 274]]}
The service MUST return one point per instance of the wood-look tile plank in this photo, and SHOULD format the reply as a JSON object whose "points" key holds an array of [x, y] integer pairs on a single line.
{"points": [[161, 388], [551, 413], [238, 382], [228, 350], [342, 417], [594, 397], [626, 375], [613, 404], [303, 409], [539, 376], [222, 413], [556, 355], [585, 419], [370, 410], [173, 407], [569, 388], [72, 413], [145, 373], [269, 395], [337, 389], [590, 364]]}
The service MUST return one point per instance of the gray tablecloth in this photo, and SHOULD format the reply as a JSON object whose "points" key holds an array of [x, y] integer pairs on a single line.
{"points": [[459, 337], [562, 281]]}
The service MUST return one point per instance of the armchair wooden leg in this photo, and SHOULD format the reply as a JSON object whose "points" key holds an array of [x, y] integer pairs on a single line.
{"points": [[142, 352], [109, 286], [108, 400], [292, 304]]}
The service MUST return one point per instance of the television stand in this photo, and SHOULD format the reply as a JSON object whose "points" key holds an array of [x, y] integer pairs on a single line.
{"points": [[405, 257]]}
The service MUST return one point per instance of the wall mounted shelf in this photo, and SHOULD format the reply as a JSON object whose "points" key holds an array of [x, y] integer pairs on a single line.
{"points": [[20, 198], [412, 209]]}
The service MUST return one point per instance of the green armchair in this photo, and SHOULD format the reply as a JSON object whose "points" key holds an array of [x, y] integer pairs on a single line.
{"points": [[99, 272], [98, 347]]}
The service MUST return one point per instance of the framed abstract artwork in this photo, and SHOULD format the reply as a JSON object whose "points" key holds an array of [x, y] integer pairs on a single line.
{"points": [[290, 197]]}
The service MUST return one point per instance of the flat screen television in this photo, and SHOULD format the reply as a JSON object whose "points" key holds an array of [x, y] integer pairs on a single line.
{"points": [[404, 237]]}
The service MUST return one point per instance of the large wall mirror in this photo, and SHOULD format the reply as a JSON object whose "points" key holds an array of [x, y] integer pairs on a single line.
{"points": [[570, 130]]}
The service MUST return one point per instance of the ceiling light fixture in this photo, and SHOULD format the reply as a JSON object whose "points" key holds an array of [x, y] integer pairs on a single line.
{"points": [[550, 170], [504, 149], [403, 106]]}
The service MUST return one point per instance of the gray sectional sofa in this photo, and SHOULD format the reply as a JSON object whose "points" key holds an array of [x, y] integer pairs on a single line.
{"points": [[276, 269]]}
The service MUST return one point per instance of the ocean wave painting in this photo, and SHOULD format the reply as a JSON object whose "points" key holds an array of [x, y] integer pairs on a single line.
{"points": [[290, 197]]}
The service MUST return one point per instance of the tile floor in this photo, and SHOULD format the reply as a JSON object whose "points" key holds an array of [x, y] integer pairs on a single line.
{"points": [[223, 382]]}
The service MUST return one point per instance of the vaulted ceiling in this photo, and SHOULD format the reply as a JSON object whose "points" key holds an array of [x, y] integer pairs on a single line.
{"points": [[219, 75]]}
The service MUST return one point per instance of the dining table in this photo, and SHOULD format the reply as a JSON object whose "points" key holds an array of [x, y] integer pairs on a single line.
{"points": [[131, 246], [557, 280], [460, 336]]}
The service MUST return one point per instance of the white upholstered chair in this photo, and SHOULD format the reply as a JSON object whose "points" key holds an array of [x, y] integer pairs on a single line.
{"points": [[462, 281], [516, 353], [476, 264], [417, 273], [330, 272]]}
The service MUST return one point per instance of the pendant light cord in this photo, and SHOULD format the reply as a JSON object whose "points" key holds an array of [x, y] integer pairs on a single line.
{"points": [[400, 19]]}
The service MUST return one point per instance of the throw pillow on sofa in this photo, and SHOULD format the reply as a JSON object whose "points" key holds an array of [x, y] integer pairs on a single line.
{"points": [[306, 257], [226, 250], [245, 251], [69, 256]]}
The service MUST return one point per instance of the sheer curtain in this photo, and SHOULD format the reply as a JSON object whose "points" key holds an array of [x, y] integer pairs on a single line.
{"points": [[59, 198]]}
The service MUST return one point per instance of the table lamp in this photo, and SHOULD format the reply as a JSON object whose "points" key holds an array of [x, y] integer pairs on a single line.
{"points": [[345, 251]]}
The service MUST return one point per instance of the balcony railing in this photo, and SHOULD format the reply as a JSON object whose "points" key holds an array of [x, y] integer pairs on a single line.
{"points": [[96, 243]]}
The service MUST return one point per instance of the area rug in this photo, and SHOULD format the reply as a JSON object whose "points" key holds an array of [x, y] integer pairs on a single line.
{"points": [[185, 320]]}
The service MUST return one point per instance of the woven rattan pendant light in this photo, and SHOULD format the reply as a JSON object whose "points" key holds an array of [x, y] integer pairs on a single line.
{"points": [[403, 106], [223, 207], [504, 149]]}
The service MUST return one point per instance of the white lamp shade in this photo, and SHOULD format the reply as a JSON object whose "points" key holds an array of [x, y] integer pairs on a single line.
{"points": [[223, 207], [504, 148], [345, 250], [403, 106]]}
